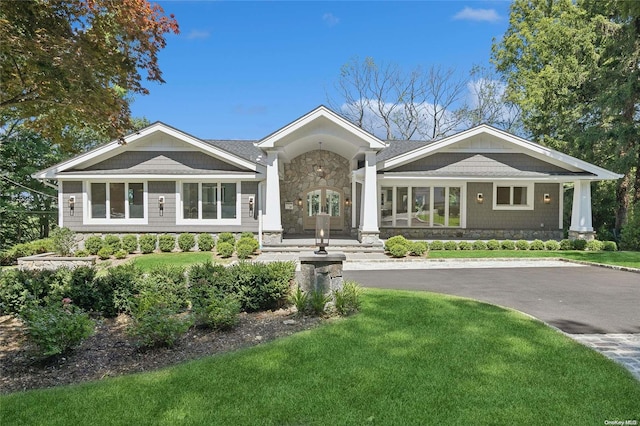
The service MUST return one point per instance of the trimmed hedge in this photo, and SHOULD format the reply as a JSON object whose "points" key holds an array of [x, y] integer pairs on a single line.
{"points": [[148, 243], [186, 241], [166, 243], [205, 242], [130, 243]]}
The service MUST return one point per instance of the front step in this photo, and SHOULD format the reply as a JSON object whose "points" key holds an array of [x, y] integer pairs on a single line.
{"points": [[285, 248]]}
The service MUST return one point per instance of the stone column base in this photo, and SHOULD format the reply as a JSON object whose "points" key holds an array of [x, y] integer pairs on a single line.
{"points": [[271, 238], [321, 273], [370, 238], [582, 235]]}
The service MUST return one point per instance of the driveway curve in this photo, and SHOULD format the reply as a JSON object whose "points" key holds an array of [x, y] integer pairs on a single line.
{"points": [[577, 300]]}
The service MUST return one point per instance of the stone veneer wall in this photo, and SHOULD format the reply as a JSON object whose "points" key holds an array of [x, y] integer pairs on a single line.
{"points": [[472, 234], [300, 176], [49, 261]]}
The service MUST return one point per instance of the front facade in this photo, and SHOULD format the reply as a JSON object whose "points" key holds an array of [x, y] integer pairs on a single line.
{"points": [[478, 184]]}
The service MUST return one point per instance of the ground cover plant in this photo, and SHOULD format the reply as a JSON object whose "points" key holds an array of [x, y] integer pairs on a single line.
{"points": [[423, 359]]}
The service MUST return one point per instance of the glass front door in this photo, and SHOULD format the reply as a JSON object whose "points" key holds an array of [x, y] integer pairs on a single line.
{"points": [[324, 200]]}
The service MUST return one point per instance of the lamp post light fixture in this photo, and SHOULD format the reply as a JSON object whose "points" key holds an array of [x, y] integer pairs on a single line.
{"points": [[322, 232]]}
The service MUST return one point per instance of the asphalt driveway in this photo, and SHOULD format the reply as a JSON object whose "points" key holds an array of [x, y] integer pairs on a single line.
{"points": [[577, 300]]}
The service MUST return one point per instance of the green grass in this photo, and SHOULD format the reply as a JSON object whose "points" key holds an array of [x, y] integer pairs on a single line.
{"points": [[407, 358], [620, 258], [149, 261]]}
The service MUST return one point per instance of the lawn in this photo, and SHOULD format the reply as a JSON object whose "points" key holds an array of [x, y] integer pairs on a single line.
{"points": [[407, 358], [621, 258], [149, 261]]}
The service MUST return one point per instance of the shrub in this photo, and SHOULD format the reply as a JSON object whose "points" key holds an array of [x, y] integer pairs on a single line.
{"points": [[224, 249], [579, 244], [348, 298], [244, 250], [536, 245], [493, 245], [166, 242], [148, 243], [436, 245], [20, 290], [566, 245], [397, 239], [479, 245], [202, 279], [186, 241], [9, 257], [465, 245], [119, 288], [81, 253], [64, 239], [130, 243], [93, 244], [158, 326], [260, 286], [552, 245], [450, 245], [113, 241], [418, 248], [522, 245], [83, 291], [105, 252], [630, 232], [399, 250], [221, 312], [508, 245], [205, 242], [58, 327], [247, 235], [120, 254], [595, 245], [610, 246], [226, 237], [300, 300]]}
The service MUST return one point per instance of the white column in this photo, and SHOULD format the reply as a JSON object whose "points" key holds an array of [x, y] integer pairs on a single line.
{"points": [[272, 218], [369, 206], [581, 211], [353, 200]]}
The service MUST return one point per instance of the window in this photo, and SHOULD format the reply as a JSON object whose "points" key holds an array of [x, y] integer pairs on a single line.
{"points": [[420, 206], [209, 200], [116, 200], [513, 197]]}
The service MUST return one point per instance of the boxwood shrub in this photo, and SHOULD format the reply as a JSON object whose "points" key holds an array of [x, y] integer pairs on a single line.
{"points": [[396, 239], [522, 245], [226, 237], [579, 244], [465, 245], [398, 249], [105, 252], [436, 245], [508, 245], [130, 243], [479, 245], [552, 245], [418, 248], [148, 243], [224, 249], [451, 245], [113, 241], [566, 245], [166, 242], [246, 246], [186, 241], [536, 245], [205, 242], [493, 245], [93, 244], [610, 246], [595, 245]]}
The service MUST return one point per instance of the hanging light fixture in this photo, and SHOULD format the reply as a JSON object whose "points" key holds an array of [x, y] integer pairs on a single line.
{"points": [[319, 168]]}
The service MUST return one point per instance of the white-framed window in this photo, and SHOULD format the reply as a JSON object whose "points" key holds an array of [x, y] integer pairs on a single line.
{"points": [[208, 203], [116, 202], [517, 196], [421, 206]]}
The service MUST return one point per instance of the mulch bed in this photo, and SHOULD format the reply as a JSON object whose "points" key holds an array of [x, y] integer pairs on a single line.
{"points": [[110, 352]]}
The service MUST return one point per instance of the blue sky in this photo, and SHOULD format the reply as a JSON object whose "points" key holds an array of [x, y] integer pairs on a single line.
{"points": [[241, 70]]}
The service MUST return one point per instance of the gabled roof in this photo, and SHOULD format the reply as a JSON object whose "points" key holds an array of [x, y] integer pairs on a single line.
{"points": [[117, 146], [388, 163]]}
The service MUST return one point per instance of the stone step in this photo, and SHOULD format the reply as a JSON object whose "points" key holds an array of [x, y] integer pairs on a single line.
{"points": [[306, 248]]}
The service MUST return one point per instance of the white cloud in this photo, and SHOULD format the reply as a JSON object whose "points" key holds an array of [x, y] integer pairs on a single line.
{"points": [[480, 15], [197, 34], [330, 19]]}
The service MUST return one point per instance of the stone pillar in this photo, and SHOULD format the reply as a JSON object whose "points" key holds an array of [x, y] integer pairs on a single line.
{"points": [[369, 233], [581, 220], [272, 224], [321, 273]]}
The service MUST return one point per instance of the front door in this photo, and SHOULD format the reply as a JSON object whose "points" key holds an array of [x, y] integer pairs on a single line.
{"points": [[324, 200]]}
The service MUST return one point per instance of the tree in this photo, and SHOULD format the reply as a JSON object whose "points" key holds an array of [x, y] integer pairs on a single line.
{"points": [[75, 63], [572, 67]]}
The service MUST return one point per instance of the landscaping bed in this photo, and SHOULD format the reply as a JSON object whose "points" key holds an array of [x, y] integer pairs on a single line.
{"points": [[110, 352]]}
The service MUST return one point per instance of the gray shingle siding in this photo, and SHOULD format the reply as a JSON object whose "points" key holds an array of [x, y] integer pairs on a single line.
{"points": [[141, 161]]}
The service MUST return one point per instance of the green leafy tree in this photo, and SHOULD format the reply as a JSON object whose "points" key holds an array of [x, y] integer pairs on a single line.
{"points": [[76, 63], [572, 68]]}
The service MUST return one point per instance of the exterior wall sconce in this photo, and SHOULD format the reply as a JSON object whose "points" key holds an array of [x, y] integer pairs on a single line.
{"points": [[547, 199], [323, 226], [347, 202], [72, 205], [161, 205], [480, 198], [251, 204], [299, 202]]}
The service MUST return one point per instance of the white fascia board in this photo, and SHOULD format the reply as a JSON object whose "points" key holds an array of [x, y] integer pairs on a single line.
{"points": [[321, 111], [93, 177], [103, 151], [407, 176], [541, 151]]}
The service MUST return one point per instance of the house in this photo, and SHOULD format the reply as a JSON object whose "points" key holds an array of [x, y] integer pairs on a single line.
{"points": [[481, 183]]}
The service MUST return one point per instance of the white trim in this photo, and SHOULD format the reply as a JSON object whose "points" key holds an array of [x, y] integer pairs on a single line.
{"points": [[560, 206], [530, 196], [86, 204], [60, 206], [180, 220], [163, 177]]}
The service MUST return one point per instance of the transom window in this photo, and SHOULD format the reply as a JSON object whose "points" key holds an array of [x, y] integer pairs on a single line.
{"points": [[116, 200], [420, 206], [209, 200], [513, 197]]}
